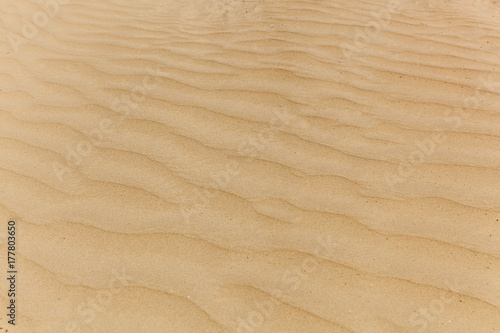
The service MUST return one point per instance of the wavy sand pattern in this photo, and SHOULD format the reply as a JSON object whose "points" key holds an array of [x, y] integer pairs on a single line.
{"points": [[251, 165]]}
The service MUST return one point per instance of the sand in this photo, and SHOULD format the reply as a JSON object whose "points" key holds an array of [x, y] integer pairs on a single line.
{"points": [[250, 166]]}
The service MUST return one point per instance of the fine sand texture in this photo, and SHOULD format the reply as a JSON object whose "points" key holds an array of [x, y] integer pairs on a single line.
{"points": [[249, 166]]}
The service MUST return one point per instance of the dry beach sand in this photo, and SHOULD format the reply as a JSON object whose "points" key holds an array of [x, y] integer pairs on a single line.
{"points": [[250, 165]]}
